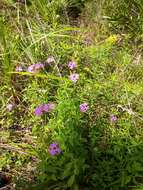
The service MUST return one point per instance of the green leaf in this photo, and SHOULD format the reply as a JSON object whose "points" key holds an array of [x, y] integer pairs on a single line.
{"points": [[71, 181], [128, 179], [67, 171], [44, 76], [137, 166]]}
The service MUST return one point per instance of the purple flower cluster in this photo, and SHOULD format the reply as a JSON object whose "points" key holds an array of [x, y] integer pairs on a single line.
{"points": [[54, 149], [72, 65], [84, 107], [44, 108], [74, 77], [35, 67], [113, 118]]}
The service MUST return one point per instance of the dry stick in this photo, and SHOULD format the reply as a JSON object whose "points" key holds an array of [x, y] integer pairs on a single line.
{"points": [[10, 148]]}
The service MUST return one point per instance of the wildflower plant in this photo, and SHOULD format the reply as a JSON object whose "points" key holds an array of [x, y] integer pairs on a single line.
{"points": [[54, 149], [72, 65], [74, 77], [44, 108], [69, 110], [35, 67], [113, 118], [84, 107]]}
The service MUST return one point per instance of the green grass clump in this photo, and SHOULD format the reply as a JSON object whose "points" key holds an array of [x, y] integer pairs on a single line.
{"points": [[124, 17], [101, 145]]}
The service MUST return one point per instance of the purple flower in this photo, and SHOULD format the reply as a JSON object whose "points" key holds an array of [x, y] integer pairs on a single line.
{"points": [[39, 110], [10, 107], [44, 108], [30, 68], [113, 118], [74, 77], [50, 59], [84, 107], [54, 149], [35, 67], [72, 65], [19, 68]]}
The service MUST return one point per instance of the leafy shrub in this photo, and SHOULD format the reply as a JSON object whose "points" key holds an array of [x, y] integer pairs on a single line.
{"points": [[96, 152]]}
